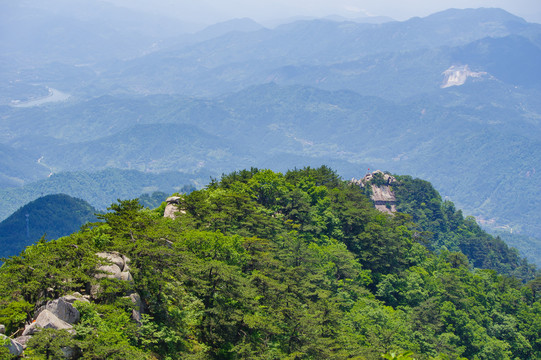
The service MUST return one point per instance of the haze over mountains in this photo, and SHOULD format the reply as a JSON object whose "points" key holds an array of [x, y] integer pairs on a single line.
{"points": [[452, 98]]}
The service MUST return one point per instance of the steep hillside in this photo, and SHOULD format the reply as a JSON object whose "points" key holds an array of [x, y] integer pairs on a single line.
{"points": [[263, 265], [52, 216]]}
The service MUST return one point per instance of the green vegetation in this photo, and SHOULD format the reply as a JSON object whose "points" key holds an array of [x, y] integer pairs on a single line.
{"points": [[442, 227], [529, 246], [265, 265], [51, 216]]}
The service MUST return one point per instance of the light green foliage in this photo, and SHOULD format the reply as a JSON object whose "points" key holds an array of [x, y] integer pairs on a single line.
{"points": [[408, 355], [14, 314], [106, 332], [49, 344]]}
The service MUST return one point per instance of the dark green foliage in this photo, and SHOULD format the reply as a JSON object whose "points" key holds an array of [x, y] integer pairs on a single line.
{"points": [[444, 227], [48, 343], [52, 216], [269, 266]]}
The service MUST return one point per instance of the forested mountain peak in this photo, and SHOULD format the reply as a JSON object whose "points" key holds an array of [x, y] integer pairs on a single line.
{"points": [[50, 216], [295, 265]]}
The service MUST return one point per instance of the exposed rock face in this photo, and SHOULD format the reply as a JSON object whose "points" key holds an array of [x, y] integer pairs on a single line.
{"points": [[113, 257], [119, 268], [457, 75], [172, 208], [13, 346], [62, 309], [110, 271], [75, 297], [139, 307], [23, 340], [382, 194], [2, 329], [46, 320]]}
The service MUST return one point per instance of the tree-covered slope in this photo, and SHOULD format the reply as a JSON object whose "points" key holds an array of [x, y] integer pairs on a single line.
{"points": [[442, 227], [52, 216], [263, 265]]}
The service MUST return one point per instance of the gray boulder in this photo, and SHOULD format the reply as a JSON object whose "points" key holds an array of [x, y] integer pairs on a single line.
{"points": [[23, 340], [62, 309], [127, 260], [46, 320], [2, 329], [13, 346], [109, 271], [118, 267], [126, 276], [95, 290], [113, 257], [139, 307], [75, 297], [172, 209]]}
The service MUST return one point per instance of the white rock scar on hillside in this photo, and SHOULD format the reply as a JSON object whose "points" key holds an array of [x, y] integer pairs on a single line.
{"points": [[457, 75]]}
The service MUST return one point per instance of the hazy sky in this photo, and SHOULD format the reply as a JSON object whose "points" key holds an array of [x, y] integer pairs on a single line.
{"points": [[210, 11]]}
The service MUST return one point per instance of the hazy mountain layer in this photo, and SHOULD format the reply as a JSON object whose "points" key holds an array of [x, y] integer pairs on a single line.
{"points": [[100, 189]]}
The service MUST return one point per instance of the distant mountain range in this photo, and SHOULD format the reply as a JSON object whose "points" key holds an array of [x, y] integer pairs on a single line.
{"points": [[348, 94], [101, 188]]}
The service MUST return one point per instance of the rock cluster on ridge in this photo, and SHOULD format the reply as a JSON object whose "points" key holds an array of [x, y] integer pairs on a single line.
{"points": [[381, 191], [119, 268], [172, 208]]}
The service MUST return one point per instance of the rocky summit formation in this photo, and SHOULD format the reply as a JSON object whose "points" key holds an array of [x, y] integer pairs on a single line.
{"points": [[118, 267], [60, 314], [457, 75], [46, 320], [381, 193], [120, 270], [172, 208]]}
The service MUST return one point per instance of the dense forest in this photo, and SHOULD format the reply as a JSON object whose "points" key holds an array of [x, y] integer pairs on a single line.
{"points": [[265, 265]]}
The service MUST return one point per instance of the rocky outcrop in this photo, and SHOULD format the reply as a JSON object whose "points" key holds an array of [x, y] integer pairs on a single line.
{"points": [[381, 191], [62, 309], [457, 75], [75, 297], [23, 340], [118, 269], [13, 346], [46, 320], [139, 307], [172, 209]]}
